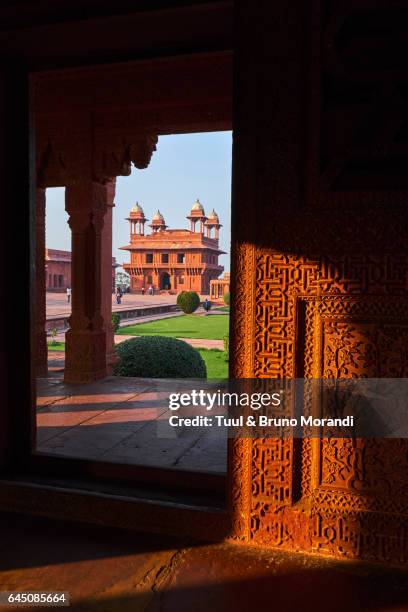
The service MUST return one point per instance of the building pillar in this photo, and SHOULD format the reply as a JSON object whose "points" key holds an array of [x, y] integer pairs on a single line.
{"points": [[111, 357], [41, 351], [86, 340]]}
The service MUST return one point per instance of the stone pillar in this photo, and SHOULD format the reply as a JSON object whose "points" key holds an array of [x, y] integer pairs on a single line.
{"points": [[111, 357], [41, 351], [86, 340]]}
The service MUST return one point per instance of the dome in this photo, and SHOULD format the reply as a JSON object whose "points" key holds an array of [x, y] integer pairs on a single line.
{"points": [[197, 207], [213, 216], [158, 217], [137, 209]]}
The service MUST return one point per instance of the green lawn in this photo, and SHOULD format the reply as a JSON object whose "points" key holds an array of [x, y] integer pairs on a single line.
{"points": [[210, 327], [58, 346], [217, 365]]}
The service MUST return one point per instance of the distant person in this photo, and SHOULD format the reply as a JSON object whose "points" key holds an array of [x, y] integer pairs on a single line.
{"points": [[206, 305], [118, 295], [143, 290], [69, 292], [151, 290]]}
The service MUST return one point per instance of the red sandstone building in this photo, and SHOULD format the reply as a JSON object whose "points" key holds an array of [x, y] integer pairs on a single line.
{"points": [[174, 259], [219, 287], [58, 270]]}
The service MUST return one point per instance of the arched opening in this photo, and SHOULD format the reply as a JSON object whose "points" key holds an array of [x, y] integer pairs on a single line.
{"points": [[165, 284]]}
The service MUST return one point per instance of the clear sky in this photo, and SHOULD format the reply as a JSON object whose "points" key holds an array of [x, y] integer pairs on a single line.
{"points": [[183, 168]]}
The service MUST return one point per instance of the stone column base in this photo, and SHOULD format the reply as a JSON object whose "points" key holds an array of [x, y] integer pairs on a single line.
{"points": [[111, 359], [85, 358]]}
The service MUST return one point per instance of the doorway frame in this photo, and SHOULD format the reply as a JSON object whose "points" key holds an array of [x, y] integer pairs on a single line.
{"points": [[211, 489]]}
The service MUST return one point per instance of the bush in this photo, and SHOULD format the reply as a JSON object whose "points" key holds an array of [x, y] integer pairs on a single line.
{"points": [[159, 357], [115, 321], [227, 298], [188, 301]]}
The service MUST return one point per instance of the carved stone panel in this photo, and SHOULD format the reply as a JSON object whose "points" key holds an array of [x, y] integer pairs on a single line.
{"points": [[321, 194]]}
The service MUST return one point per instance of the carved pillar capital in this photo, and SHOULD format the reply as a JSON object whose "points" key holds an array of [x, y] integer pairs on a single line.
{"points": [[86, 201]]}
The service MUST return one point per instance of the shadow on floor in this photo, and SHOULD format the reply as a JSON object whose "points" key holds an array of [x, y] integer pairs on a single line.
{"points": [[124, 420], [107, 570]]}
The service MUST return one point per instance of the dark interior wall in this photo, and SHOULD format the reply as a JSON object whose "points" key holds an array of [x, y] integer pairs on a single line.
{"points": [[15, 245], [83, 33], [28, 13]]}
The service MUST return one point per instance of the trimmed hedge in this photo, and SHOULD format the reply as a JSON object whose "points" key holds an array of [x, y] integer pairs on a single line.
{"points": [[227, 298], [159, 357], [188, 301]]}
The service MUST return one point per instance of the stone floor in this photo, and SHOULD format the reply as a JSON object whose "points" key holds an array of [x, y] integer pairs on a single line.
{"points": [[121, 420], [107, 570]]}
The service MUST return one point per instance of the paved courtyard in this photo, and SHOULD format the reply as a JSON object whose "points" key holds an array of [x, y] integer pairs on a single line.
{"points": [[121, 420], [57, 304]]}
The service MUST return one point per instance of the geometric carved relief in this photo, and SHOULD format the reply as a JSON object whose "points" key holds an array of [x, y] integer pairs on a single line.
{"points": [[359, 337], [349, 325], [271, 489], [364, 466], [282, 280], [271, 477], [354, 348], [363, 337]]}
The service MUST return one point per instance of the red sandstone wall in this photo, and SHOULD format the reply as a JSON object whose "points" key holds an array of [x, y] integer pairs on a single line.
{"points": [[60, 268]]}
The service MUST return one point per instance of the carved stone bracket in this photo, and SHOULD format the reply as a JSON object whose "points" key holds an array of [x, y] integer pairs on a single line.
{"points": [[115, 152], [71, 149]]}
